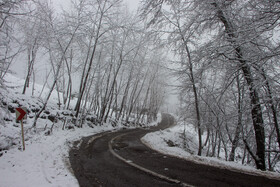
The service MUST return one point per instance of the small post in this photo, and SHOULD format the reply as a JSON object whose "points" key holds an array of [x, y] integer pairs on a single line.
{"points": [[22, 134], [20, 115]]}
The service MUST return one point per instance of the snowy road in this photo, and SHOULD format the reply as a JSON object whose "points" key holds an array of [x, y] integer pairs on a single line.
{"points": [[121, 159]]}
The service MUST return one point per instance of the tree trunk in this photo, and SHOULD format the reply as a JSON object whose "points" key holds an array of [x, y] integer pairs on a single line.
{"points": [[194, 89], [256, 110], [239, 122], [84, 81], [272, 106]]}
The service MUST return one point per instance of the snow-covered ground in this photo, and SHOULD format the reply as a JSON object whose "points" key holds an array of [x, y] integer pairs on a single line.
{"points": [[171, 141], [45, 160]]}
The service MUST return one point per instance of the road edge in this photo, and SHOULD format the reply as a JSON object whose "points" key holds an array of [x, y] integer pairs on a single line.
{"points": [[220, 165], [150, 172]]}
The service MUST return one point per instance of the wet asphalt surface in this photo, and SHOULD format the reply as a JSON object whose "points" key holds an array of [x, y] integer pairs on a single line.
{"points": [[94, 165]]}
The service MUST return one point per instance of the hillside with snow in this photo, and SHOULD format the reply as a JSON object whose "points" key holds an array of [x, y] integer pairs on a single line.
{"points": [[45, 160]]}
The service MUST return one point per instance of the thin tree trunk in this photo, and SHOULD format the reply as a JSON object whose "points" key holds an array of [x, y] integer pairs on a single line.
{"points": [[84, 84], [194, 89], [272, 107], [239, 122], [124, 99], [56, 75]]}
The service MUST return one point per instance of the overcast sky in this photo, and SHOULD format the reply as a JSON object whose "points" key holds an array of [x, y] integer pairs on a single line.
{"points": [[132, 4]]}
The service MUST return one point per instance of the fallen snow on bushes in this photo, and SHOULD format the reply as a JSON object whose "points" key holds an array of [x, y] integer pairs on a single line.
{"points": [[171, 142]]}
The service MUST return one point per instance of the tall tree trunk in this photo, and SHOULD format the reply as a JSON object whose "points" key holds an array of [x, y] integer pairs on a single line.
{"points": [[239, 122], [124, 99], [256, 110], [31, 61], [272, 106], [194, 89], [84, 81], [196, 101]]}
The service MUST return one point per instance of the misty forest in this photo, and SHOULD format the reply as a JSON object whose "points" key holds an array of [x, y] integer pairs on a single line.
{"points": [[106, 64]]}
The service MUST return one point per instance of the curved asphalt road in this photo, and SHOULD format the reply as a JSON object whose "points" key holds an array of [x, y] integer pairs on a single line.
{"points": [[120, 159]]}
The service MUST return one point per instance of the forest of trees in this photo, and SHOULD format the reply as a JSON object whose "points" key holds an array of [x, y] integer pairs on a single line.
{"points": [[97, 52], [227, 52], [229, 56]]}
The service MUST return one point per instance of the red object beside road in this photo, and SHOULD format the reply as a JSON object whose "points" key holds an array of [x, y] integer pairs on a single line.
{"points": [[21, 113]]}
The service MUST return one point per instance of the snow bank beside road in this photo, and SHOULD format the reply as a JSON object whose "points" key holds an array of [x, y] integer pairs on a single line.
{"points": [[45, 160], [171, 142]]}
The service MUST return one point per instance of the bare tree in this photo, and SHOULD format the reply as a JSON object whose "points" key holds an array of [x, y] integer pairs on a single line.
{"points": [[64, 48], [33, 40], [98, 31], [238, 35], [10, 47]]}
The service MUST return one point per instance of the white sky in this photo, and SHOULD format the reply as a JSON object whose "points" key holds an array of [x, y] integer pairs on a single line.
{"points": [[131, 4]]}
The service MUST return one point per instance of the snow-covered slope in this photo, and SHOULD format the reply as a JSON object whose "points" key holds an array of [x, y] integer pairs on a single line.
{"points": [[45, 161]]}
